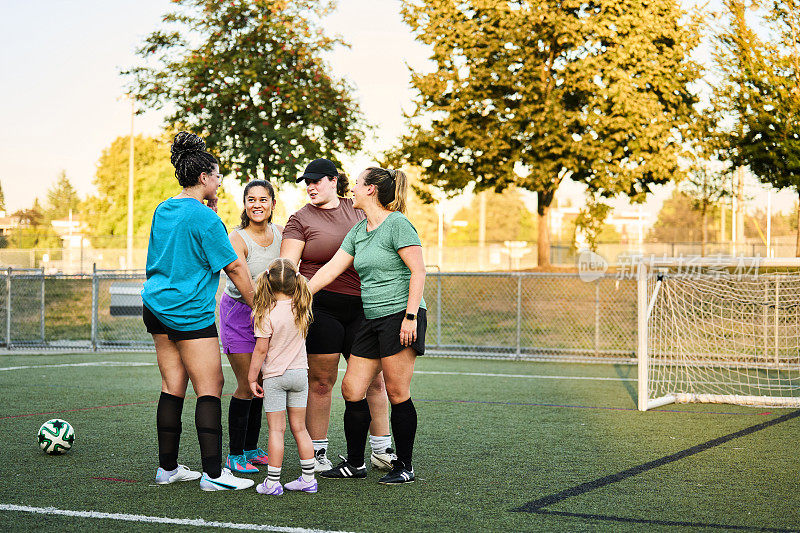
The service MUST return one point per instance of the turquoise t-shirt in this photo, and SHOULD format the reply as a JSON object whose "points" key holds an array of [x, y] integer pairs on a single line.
{"points": [[188, 247], [384, 276]]}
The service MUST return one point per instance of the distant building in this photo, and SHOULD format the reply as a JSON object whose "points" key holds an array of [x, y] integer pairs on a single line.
{"points": [[7, 223], [631, 224], [71, 232]]}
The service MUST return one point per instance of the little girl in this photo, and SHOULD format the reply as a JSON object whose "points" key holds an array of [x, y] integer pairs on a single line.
{"points": [[281, 315]]}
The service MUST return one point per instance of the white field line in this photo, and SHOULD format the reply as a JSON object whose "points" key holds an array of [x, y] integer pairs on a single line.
{"points": [[198, 522], [92, 363], [528, 376], [433, 372]]}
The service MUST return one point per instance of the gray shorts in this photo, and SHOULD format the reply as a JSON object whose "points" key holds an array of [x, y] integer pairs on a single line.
{"points": [[290, 389]]}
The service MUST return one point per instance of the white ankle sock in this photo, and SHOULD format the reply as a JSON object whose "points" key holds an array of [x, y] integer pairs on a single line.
{"points": [[321, 444], [273, 475], [380, 443], [308, 469]]}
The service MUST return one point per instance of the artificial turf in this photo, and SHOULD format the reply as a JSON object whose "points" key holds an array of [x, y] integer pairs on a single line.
{"points": [[493, 437]]}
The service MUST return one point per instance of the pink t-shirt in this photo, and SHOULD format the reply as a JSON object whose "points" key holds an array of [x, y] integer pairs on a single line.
{"points": [[287, 348]]}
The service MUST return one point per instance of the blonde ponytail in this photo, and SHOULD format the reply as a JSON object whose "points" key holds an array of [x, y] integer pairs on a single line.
{"points": [[392, 187], [400, 191], [301, 303]]}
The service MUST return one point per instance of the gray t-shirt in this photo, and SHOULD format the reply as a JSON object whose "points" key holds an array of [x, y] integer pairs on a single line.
{"points": [[384, 276], [258, 257]]}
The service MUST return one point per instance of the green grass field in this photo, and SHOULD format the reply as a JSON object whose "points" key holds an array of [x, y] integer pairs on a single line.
{"points": [[501, 446]]}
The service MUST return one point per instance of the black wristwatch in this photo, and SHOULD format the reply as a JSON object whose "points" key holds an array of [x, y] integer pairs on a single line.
{"points": [[411, 316]]}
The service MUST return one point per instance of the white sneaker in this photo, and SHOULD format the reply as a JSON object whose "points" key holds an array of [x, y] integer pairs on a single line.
{"points": [[181, 473], [321, 461], [226, 481], [383, 461]]}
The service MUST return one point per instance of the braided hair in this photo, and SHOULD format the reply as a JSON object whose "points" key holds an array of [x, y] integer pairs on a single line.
{"points": [[190, 159]]}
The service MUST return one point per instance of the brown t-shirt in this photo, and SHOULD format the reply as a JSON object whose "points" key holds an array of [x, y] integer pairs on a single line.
{"points": [[323, 231]]}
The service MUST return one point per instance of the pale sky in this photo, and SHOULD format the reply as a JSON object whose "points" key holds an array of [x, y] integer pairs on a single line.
{"points": [[60, 100]]}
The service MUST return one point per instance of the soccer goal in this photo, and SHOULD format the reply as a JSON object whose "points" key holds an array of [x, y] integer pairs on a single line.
{"points": [[719, 330]]}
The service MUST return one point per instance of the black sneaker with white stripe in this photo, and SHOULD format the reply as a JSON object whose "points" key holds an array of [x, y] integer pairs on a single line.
{"points": [[399, 474], [345, 470]]}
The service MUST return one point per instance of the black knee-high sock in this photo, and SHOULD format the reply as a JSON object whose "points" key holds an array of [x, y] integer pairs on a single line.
{"points": [[208, 420], [168, 424], [356, 427], [238, 413], [254, 423], [404, 427]]}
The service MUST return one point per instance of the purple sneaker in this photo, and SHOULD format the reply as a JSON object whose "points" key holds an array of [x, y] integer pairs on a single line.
{"points": [[302, 485], [275, 490]]}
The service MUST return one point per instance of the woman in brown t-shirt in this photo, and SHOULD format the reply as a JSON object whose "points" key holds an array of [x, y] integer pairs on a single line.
{"points": [[312, 236]]}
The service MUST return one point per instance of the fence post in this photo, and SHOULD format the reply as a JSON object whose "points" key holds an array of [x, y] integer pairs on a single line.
{"points": [[439, 309], [777, 305], [597, 317], [519, 315], [41, 309], [8, 308], [94, 306]]}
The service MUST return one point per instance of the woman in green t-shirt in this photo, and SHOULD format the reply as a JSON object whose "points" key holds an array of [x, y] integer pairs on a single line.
{"points": [[386, 252]]}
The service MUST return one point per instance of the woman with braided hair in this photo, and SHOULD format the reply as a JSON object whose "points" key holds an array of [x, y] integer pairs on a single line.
{"points": [[188, 247]]}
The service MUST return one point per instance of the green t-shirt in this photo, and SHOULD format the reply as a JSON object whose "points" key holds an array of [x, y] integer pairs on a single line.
{"points": [[384, 276]]}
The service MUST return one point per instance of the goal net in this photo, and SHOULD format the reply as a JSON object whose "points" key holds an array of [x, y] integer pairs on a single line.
{"points": [[719, 331]]}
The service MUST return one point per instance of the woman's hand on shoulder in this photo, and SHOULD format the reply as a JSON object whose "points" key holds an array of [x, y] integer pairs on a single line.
{"points": [[212, 203]]}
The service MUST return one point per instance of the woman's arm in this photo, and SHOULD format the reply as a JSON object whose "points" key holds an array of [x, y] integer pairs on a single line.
{"points": [[238, 245], [412, 257], [240, 276], [256, 362], [331, 270], [292, 249]]}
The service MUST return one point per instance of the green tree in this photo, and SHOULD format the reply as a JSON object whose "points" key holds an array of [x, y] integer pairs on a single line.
{"points": [[34, 230], [61, 199], [421, 208], [782, 224], [507, 219], [2, 199], [106, 213], [678, 221], [706, 188], [250, 77], [591, 221], [758, 97], [531, 92]]}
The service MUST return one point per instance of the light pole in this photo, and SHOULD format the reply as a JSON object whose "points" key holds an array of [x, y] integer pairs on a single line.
{"points": [[129, 262]]}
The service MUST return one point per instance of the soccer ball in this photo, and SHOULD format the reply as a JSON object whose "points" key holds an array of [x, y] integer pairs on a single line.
{"points": [[56, 436]]}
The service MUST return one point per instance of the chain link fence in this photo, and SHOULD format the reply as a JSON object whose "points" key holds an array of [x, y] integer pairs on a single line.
{"points": [[542, 316]]}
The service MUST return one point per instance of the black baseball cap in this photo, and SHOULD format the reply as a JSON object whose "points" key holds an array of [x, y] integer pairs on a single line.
{"points": [[318, 169]]}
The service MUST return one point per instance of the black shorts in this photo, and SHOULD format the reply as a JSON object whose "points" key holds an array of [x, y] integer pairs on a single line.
{"points": [[337, 319], [380, 337], [156, 327]]}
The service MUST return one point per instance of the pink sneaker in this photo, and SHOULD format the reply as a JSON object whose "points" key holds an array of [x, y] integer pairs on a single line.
{"points": [[256, 457], [302, 485], [274, 490]]}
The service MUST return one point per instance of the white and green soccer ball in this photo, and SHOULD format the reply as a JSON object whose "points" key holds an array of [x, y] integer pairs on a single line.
{"points": [[56, 436]]}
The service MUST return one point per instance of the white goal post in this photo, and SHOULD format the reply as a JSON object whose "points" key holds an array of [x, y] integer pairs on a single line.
{"points": [[718, 330]]}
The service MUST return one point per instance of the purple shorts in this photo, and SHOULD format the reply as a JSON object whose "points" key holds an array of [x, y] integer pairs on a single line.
{"points": [[236, 326]]}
